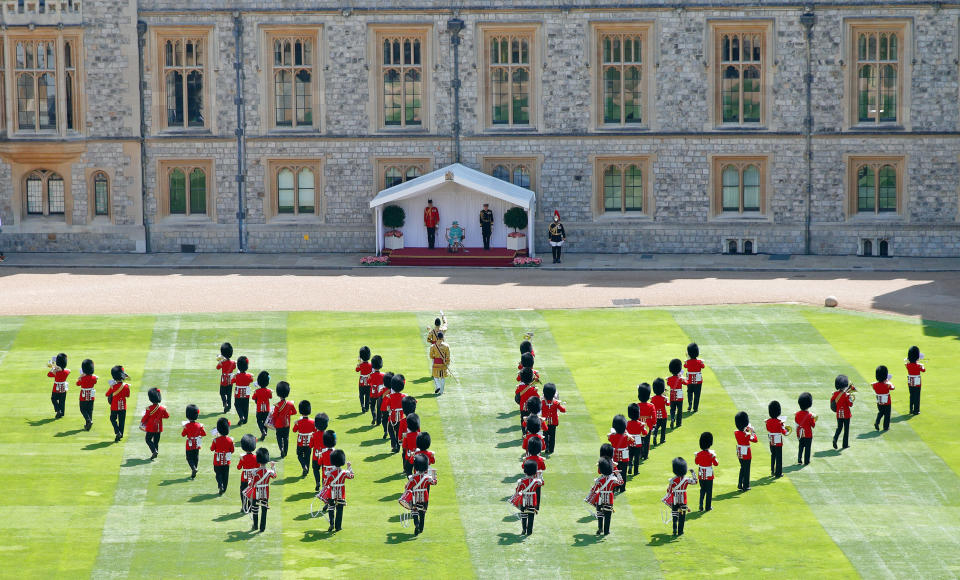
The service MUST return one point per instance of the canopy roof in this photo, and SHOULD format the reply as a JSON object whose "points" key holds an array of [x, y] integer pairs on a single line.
{"points": [[463, 176]]}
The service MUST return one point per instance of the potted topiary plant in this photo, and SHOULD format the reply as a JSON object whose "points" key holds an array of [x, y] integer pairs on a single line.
{"points": [[393, 218], [516, 218]]}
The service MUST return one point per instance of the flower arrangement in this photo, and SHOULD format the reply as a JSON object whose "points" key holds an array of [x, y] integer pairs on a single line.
{"points": [[393, 234], [375, 261], [516, 235], [525, 262]]}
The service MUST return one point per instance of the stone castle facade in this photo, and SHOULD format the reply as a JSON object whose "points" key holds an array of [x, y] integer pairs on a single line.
{"points": [[693, 127]]}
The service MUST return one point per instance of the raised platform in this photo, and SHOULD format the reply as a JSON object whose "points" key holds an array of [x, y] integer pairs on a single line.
{"points": [[471, 257]]}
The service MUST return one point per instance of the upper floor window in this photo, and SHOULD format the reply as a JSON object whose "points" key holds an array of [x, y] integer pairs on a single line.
{"points": [[71, 109], [183, 66], [741, 64], [3, 85], [876, 185], [36, 85], [878, 73], [293, 62], [45, 193], [509, 61], [401, 79], [622, 77]]}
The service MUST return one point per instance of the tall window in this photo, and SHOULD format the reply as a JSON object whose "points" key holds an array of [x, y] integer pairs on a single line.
{"points": [[296, 190], [878, 73], [509, 72], [70, 84], [36, 85], [876, 185], [739, 186], [45, 193], [621, 55], [101, 194], [183, 67], [187, 190], [740, 76], [293, 65], [401, 79], [3, 84], [622, 188]]}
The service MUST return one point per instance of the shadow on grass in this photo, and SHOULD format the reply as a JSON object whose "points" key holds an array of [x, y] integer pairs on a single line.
{"points": [[174, 481], [511, 478], [203, 497], [661, 539], [901, 418], [133, 462], [209, 415], [508, 415], [391, 497], [360, 429], [101, 445], [587, 519], [792, 467], [370, 442], [870, 435], [511, 443], [581, 540], [506, 429], [315, 535], [509, 519], [377, 457], [240, 536], [728, 495], [422, 380], [228, 517], [428, 395], [398, 538], [41, 422], [827, 453], [301, 496], [508, 538], [395, 518], [289, 479], [303, 517], [349, 415], [68, 433], [390, 478]]}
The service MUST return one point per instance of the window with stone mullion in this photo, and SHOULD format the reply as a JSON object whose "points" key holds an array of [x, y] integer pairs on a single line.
{"points": [[183, 67], [740, 188], [402, 77], [878, 68], [623, 188], [876, 188], [509, 70], [516, 173], [36, 85], [3, 95], [46, 193], [397, 174], [622, 74], [296, 190], [741, 68], [187, 190], [70, 85], [293, 78]]}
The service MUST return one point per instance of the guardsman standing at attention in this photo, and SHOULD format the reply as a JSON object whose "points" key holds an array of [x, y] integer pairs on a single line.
{"points": [[440, 354], [557, 236], [486, 225], [431, 217]]}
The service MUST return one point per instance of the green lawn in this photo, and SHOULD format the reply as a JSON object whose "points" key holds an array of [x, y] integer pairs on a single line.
{"points": [[79, 505]]}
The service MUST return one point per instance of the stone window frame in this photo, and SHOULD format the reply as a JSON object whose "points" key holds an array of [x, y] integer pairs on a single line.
{"points": [[645, 163], [376, 32], [92, 175], [45, 176], [852, 27], [853, 164], [164, 167], [273, 166], [649, 63], [315, 33], [717, 164], [381, 164], [3, 85], [485, 30], [511, 163], [158, 108], [715, 31]]}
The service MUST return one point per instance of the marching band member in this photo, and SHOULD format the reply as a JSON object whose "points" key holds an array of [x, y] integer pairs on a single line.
{"points": [[532, 408], [87, 382], [281, 417], [841, 402], [606, 452], [525, 390], [744, 435], [694, 368], [248, 464], [805, 421], [117, 394], [914, 368], [637, 430], [882, 388], [550, 410], [383, 417], [706, 460], [365, 369], [409, 442], [59, 373], [526, 361], [776, 429], [409, 406], [439, 326], [304, 428], [648, 414], [222, 448], [526, 347], [532, 432], [336, 480], [660, 405], [318, 447], [440, 355], [194, 432], [226, 368], [602, 493], [394, 403], [321, 464], [152, 422], [260, 481], [419, 485], [526, 498], [262, 398], [241, 394], [423, 448], [621, 448], [534, 447], [676, 383], [677, 494], [376, 389]]}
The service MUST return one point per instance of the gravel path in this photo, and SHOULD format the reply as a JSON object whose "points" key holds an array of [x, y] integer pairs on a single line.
{"points": [[88, 291]]}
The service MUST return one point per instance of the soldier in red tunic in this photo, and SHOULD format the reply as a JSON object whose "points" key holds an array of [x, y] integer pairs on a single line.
{"points": [[776, 429], [281, 417], [117, 395], [694, 368], [805, 421], [532, 427], [525, 390], [318, 448], [621, 448], [841, 402], [152, 422], [304, 428], [394, 404], [384, 414], [550, 410], [676, 496], [431, 217], [534, 447], [260, 480], [222, 448], [59, 373], [409, 442], [659, 403], [706, 460], [375, 388], [262, 398], [914, 368], [226, 368], [744, 435], [194, 432], [637, 430], [418, 485], [525, 496], [676, 383], [602, 493], [423, 448], [648, 414], [335, 480], [882, 388], [87, 382], [364, 368], [241, 394], [247, 465]]}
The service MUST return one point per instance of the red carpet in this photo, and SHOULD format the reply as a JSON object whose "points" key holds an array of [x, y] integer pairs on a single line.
{"points": [[471, 257]]}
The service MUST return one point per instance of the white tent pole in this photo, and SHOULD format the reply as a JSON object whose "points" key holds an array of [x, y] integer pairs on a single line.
{"points": [[379, 231], [530, 245]]}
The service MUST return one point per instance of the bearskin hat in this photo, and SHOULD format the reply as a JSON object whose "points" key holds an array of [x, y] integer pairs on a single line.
{"points": [[408, 404], [882, 373], [526, 375], [248, 442], [620, 424], [329, 438], [606, 451], [87, 366], [192, 412], [633, 411], [436, 322], [226, 350], [530, 467], [263, 379], [679, 466], [605, 466], [643, 392], [304, 407], [913, 355], [243, 363], [397, 383], [338, 458], [376, 362], [421, 463], [693, 351], [658, 386], [533, 424], [263, 456], [321, 421], [525, 346], [154, 395], [534, 446], [61, 360], [388, 380], [805, 401], [676, 365], [526, 360], [549, 391], [423, 441], [413, 422], [706, 440], [223, 426], [774, 409], [741, 420], [364, 353], [534, 406], [283, 389], [118, 374], [841, 382]]}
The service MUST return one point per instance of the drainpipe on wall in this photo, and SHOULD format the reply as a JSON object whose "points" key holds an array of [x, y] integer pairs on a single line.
{"points": [[241, 126], [454, 26], [808, 19], [141, 40]]}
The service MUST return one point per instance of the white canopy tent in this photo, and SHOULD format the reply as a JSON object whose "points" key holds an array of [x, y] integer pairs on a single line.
{"points": [[459, 193]]}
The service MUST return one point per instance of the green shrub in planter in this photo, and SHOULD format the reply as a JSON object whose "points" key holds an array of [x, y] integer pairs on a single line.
{"points": [[516, 218], [394, 216]]}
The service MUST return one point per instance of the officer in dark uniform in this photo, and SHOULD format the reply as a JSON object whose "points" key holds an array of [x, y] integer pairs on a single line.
{"points": [[557, 236], [486, 225]]}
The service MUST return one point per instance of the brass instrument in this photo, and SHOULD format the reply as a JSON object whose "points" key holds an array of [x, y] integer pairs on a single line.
{"points": [[528, 335], [221, 358], [849, 391], [749, 430], [52, 365]]}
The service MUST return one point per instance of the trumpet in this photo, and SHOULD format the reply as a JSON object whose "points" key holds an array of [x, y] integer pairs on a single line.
{"points": [[528, 335], [52, 365], [849, 391], [220, 358], [788, 428], [749, 429]]}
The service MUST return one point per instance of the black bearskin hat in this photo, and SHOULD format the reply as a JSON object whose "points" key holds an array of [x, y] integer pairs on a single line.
{"points": [[304, 407], [376, 362], [421, 463], [283, 389], [118, 374], [243, 363], [534, 406], [679, 466], [192, 412], [388, 380], [321, 421], [263, 456], [841, 382], [533, 424], [741, 420], [882, 373], [605, 466], [226, 350], [263, 379], [534, 446], [693, 351], [436, 322], [549, 391], [223, 426], [676, 365], [413, 422], [526, 360], [620, 424], [526, 375], [774, 409], [154, 395], [87, 366], [606, 451], [248, 442], [658, 386], [61, 360], [706, 440], [805, 401], [643, 392], [633, 411], [530, 467], [364, 353], [329, 438], [397, 383], [423, 441], [525, 346], [338, 458], [913, 355], [408, 404]]}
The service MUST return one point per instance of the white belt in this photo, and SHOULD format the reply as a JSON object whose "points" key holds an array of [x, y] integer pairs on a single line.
{"points": [[622, 453], [638, 439], [694, 377], [194, 440], [242, 391], [706, 472], [742, 450], [60, 387], [223, 457], [913, 380], [87, 392], [678, 394], [776, 438], [883, 399]]}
